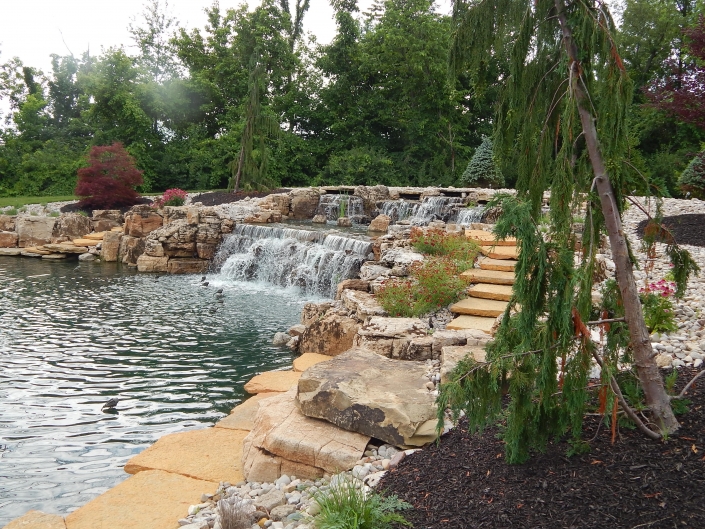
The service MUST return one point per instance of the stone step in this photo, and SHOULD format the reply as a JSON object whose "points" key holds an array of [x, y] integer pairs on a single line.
{"points": [[483, 237], [97, 236], [452, 354], [272, 381], [86, 242], [10, 251], [152, 499], [485, 291], [306, 360], [479, 307], [242, 416], [503, 265], [479, 323], [500, 252], [494, 277], [210, 454]]}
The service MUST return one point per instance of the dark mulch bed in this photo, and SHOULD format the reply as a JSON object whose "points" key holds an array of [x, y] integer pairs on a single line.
{"points": [[464, 482], [216, 198], [687, 229]]}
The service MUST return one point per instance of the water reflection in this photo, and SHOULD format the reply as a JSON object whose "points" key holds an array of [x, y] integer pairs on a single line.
{"points": [[73, 336]]}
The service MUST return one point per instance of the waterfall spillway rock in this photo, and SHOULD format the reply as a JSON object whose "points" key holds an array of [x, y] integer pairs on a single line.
{"points": [[447, 209], [312, 261]]}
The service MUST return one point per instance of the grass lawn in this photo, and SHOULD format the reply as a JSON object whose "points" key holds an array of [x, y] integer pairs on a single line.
{"points": [[18, 202]]}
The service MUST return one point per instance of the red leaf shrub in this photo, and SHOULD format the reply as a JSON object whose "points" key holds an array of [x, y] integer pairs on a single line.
{"points": [[110, 179]]}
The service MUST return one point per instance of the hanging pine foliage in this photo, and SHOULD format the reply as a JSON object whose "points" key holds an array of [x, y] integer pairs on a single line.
{"points": [[563, 119], [482, 171]]}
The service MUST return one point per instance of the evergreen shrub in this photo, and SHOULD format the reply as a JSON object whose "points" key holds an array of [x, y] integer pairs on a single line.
{"points": [[692, 178], [482, 171]]}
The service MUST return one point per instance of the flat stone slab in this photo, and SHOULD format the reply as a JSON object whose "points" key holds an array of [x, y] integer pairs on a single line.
{"points": [[503, 265], [37, 250], [485, 291], [98, 236], [11, 251], [483, 237], [37, 520], [86, 242], [479, 307], [306, 360], [472, 322], [452, 354], [492, 277], [65, 247], [365, 392], [55, 256], [500, 252], [242, 417], [210, 454], [284, 432], [152, 499], [268, 381]]}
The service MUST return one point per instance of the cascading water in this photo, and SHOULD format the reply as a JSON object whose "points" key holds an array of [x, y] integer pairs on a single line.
{"points": [[330, 206], [399, 209], [471, 215], [435, 208], [312, 261]]}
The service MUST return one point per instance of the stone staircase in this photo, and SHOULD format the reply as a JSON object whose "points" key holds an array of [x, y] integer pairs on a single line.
{"points": [[491, 286]]}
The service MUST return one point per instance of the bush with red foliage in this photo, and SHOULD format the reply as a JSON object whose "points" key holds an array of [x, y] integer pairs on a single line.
{"points": [[682, 92], [110, 179]]}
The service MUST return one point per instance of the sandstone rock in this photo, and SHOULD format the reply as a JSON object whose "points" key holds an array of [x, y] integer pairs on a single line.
{"points": [[54, 256], [72, 226], [401, 257], [8, 239], [319, 219], [281, 430], [297, 330], [479, 323], [503, 265], [361, 304], [304, 203], [111, 246], [108, 214], [352, 284], [487, 238], [420, 348], [280, 339], [495, 277], [452, 354], [85, 242], [153, 248], [370, 195], [147, 263], [34, 231], [272, 381], [209, 234], [87, 257], [37, 520], [192, 215], [364, 392], [186, 266], [174, 213], [130, 249], [329, 336], [206, 250], [212, 454], [498, 292], [314, 311], [142, 220], [380, 223], [153, 499], [369, 272], [344, 222], [664, 360], [500, 252], [263, 466], [242, 416], [7, 223], [271, 500], [306, 360], [446, 337], [390, 337], [282, 511], [65, 248], [479, 307], [104, 225], [10, 251]]}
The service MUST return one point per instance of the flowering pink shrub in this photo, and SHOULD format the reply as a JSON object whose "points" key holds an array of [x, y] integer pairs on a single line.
{"points": [[662, 288], [171, 197], [657, 306]]}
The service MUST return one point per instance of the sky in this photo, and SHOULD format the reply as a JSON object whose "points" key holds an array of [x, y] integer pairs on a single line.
{"points": [[34, 29]]}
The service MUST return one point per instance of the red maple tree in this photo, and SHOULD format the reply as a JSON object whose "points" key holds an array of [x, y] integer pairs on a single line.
{"points": [[682, 92], [110, 179]]}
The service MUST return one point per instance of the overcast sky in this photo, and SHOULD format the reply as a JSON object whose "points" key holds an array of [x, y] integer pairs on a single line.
{"points": [[34, 29]]}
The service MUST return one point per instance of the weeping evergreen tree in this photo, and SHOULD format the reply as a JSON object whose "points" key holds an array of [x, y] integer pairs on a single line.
{"points": [[250, 170], [562, 119]]}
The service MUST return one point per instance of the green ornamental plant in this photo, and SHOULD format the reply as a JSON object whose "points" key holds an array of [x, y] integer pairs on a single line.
{"points": [[482, 171], [658, 308], [692, 179], [347, 505]]}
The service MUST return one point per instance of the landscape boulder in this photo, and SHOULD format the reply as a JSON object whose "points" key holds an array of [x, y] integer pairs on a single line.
{"points": [[110, 247], [8, 239], [148, 263], [380, 223], [72, 226], [130, 249], [283, 433], [304, 203], [364, 392], [7, 223], [34, 231], [186, 266], [106, 219], [142, 220], [391, 337], [370, 195], [330, 335]]}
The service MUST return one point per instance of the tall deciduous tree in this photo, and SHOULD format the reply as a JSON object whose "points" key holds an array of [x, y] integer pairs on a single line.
{"points": [[564, 111]]}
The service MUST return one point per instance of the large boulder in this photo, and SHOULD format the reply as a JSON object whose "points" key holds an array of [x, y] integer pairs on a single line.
{"points": [[330, 335], [186, 266], [304, 203], [34, 231], [452, 354], [8, 239], [107, 219], [364, 392], [391, 337], [370, 195], [110, 248], [282, 433], [361, 304], [380, 224], [314, 311], [399, 257], [142, 220], [130, 249], [72, 226], [148, 263], [7, 223]]}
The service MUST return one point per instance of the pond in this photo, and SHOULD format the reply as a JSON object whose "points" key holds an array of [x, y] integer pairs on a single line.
{"points": [[73, 335]]}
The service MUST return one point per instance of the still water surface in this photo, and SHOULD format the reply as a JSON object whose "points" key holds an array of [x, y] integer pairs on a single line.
{"points": [[74, 335]]}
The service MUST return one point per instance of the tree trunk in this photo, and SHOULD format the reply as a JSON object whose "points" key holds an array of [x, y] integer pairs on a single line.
{"points": [[655, 394], [236, 183]]}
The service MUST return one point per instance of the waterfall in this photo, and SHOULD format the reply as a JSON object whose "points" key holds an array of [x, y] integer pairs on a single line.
{"points": [[399, 209], [312, 261], [471, 215], [329, 206]]}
